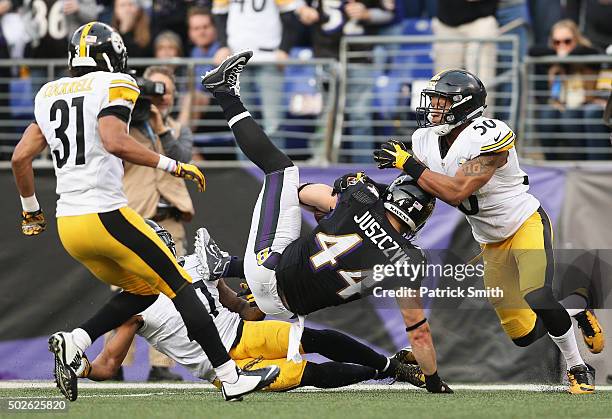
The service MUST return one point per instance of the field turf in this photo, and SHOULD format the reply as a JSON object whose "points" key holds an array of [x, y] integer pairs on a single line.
{"points": [[188, 401]]}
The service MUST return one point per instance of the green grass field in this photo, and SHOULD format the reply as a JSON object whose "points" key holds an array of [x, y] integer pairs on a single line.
{"points": [[368, 402]]}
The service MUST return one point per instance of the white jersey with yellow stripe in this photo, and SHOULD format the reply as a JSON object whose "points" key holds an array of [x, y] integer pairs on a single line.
{"points": [[89, 178], [499, 207], [165, 330]]}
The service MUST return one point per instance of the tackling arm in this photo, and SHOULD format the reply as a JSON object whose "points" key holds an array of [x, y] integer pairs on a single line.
{"points": [[233, 303], [471, 177], [318, 196], [106, 365]]}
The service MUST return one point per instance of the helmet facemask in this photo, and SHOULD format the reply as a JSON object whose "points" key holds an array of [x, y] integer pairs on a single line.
{"points": [[444, 111]]}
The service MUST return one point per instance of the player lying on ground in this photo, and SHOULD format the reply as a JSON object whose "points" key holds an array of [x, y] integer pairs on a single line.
{"points": [[84, 120], [470, 162], [289, 275], [250, 343]]}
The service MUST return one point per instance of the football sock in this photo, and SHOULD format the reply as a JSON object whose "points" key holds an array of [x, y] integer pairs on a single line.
{"points": [[115, 312], [200, 325], [235, 269], [81, 339], [227, 372], [251, 139], [342, 348], [568, 347], [335, 374], [574, 304]]}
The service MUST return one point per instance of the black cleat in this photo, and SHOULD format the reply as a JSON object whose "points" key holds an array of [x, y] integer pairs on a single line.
{"points": [[65, 377], [226, 77], [214, 261], [592, 332], [405, 356], [581, 379], [249, 381], [406, 373]]}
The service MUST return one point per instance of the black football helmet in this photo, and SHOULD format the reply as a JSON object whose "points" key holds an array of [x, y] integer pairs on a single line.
{"points": [[411, 204], [462, 89], [163, 234], [97, 47]]}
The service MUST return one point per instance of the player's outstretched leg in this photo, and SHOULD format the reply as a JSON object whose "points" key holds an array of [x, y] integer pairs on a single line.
{"points": [[344, 349], [224, 83]]}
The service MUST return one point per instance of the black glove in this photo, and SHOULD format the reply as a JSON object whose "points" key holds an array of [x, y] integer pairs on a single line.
{"points": [[342, 183], [393, 153], [434, 384]]}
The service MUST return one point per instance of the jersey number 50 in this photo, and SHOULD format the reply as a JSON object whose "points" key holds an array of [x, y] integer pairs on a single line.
{"points": [[61, 106]]}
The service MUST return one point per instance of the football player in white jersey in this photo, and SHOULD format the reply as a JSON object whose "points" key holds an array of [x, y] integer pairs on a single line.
{"points": [[251, 343], [469, 161], [84, 120]]}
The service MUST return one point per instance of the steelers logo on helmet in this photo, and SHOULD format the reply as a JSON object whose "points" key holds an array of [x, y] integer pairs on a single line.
{"points": [[96, 46], [452, 98], [117, 43]]}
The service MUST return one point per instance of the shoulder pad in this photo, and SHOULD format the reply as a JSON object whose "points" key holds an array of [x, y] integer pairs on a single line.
{"points": [[494, 135]]}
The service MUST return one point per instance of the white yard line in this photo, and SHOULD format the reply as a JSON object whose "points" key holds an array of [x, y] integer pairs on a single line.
{"points": [[205, 386]]}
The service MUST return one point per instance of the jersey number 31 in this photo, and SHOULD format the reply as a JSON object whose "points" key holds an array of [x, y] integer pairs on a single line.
{"points": [[60, 107]]}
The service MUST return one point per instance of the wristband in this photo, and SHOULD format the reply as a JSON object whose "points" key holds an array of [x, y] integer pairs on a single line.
{"points": [[413, 168], [166, 164], [30, 204], [416, 325]]}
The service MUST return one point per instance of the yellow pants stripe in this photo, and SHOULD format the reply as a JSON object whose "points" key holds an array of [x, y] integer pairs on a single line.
{"points": [[519, 265], [119, 248]]}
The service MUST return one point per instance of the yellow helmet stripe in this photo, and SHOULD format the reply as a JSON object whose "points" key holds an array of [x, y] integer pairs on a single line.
{"points": [[82, 45]]}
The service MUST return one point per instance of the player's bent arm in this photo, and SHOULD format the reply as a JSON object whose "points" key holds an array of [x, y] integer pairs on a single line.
{"points": [[318, 196], [471, 177], [32, 143], [108, 362], [117, 141], [420, 337], [233, 303]]}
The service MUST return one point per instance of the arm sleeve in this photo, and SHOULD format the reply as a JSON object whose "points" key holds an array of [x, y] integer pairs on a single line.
{"points": [[496, 140], [221, 24], [179, 148], [289, 22]]}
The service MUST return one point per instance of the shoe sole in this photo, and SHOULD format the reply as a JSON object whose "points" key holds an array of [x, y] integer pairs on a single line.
{"points": [[65, 378], [263, 383], [595, 349], [219, 70]]}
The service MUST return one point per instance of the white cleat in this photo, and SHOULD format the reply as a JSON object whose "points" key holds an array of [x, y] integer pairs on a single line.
{"points": [[68, 359], [249, 381]]}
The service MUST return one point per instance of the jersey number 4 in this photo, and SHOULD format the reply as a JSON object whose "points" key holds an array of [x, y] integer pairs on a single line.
{"points": [[332, 248], [61, 107]]}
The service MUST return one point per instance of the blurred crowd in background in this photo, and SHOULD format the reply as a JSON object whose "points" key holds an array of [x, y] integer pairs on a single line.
{"points": [[214, 29]]}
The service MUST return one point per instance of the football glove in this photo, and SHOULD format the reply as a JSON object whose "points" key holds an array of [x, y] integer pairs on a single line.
{"points": [[246, 294], [190, 172], [342, 183], [33, 223], [393, 153], [434, 384]]}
